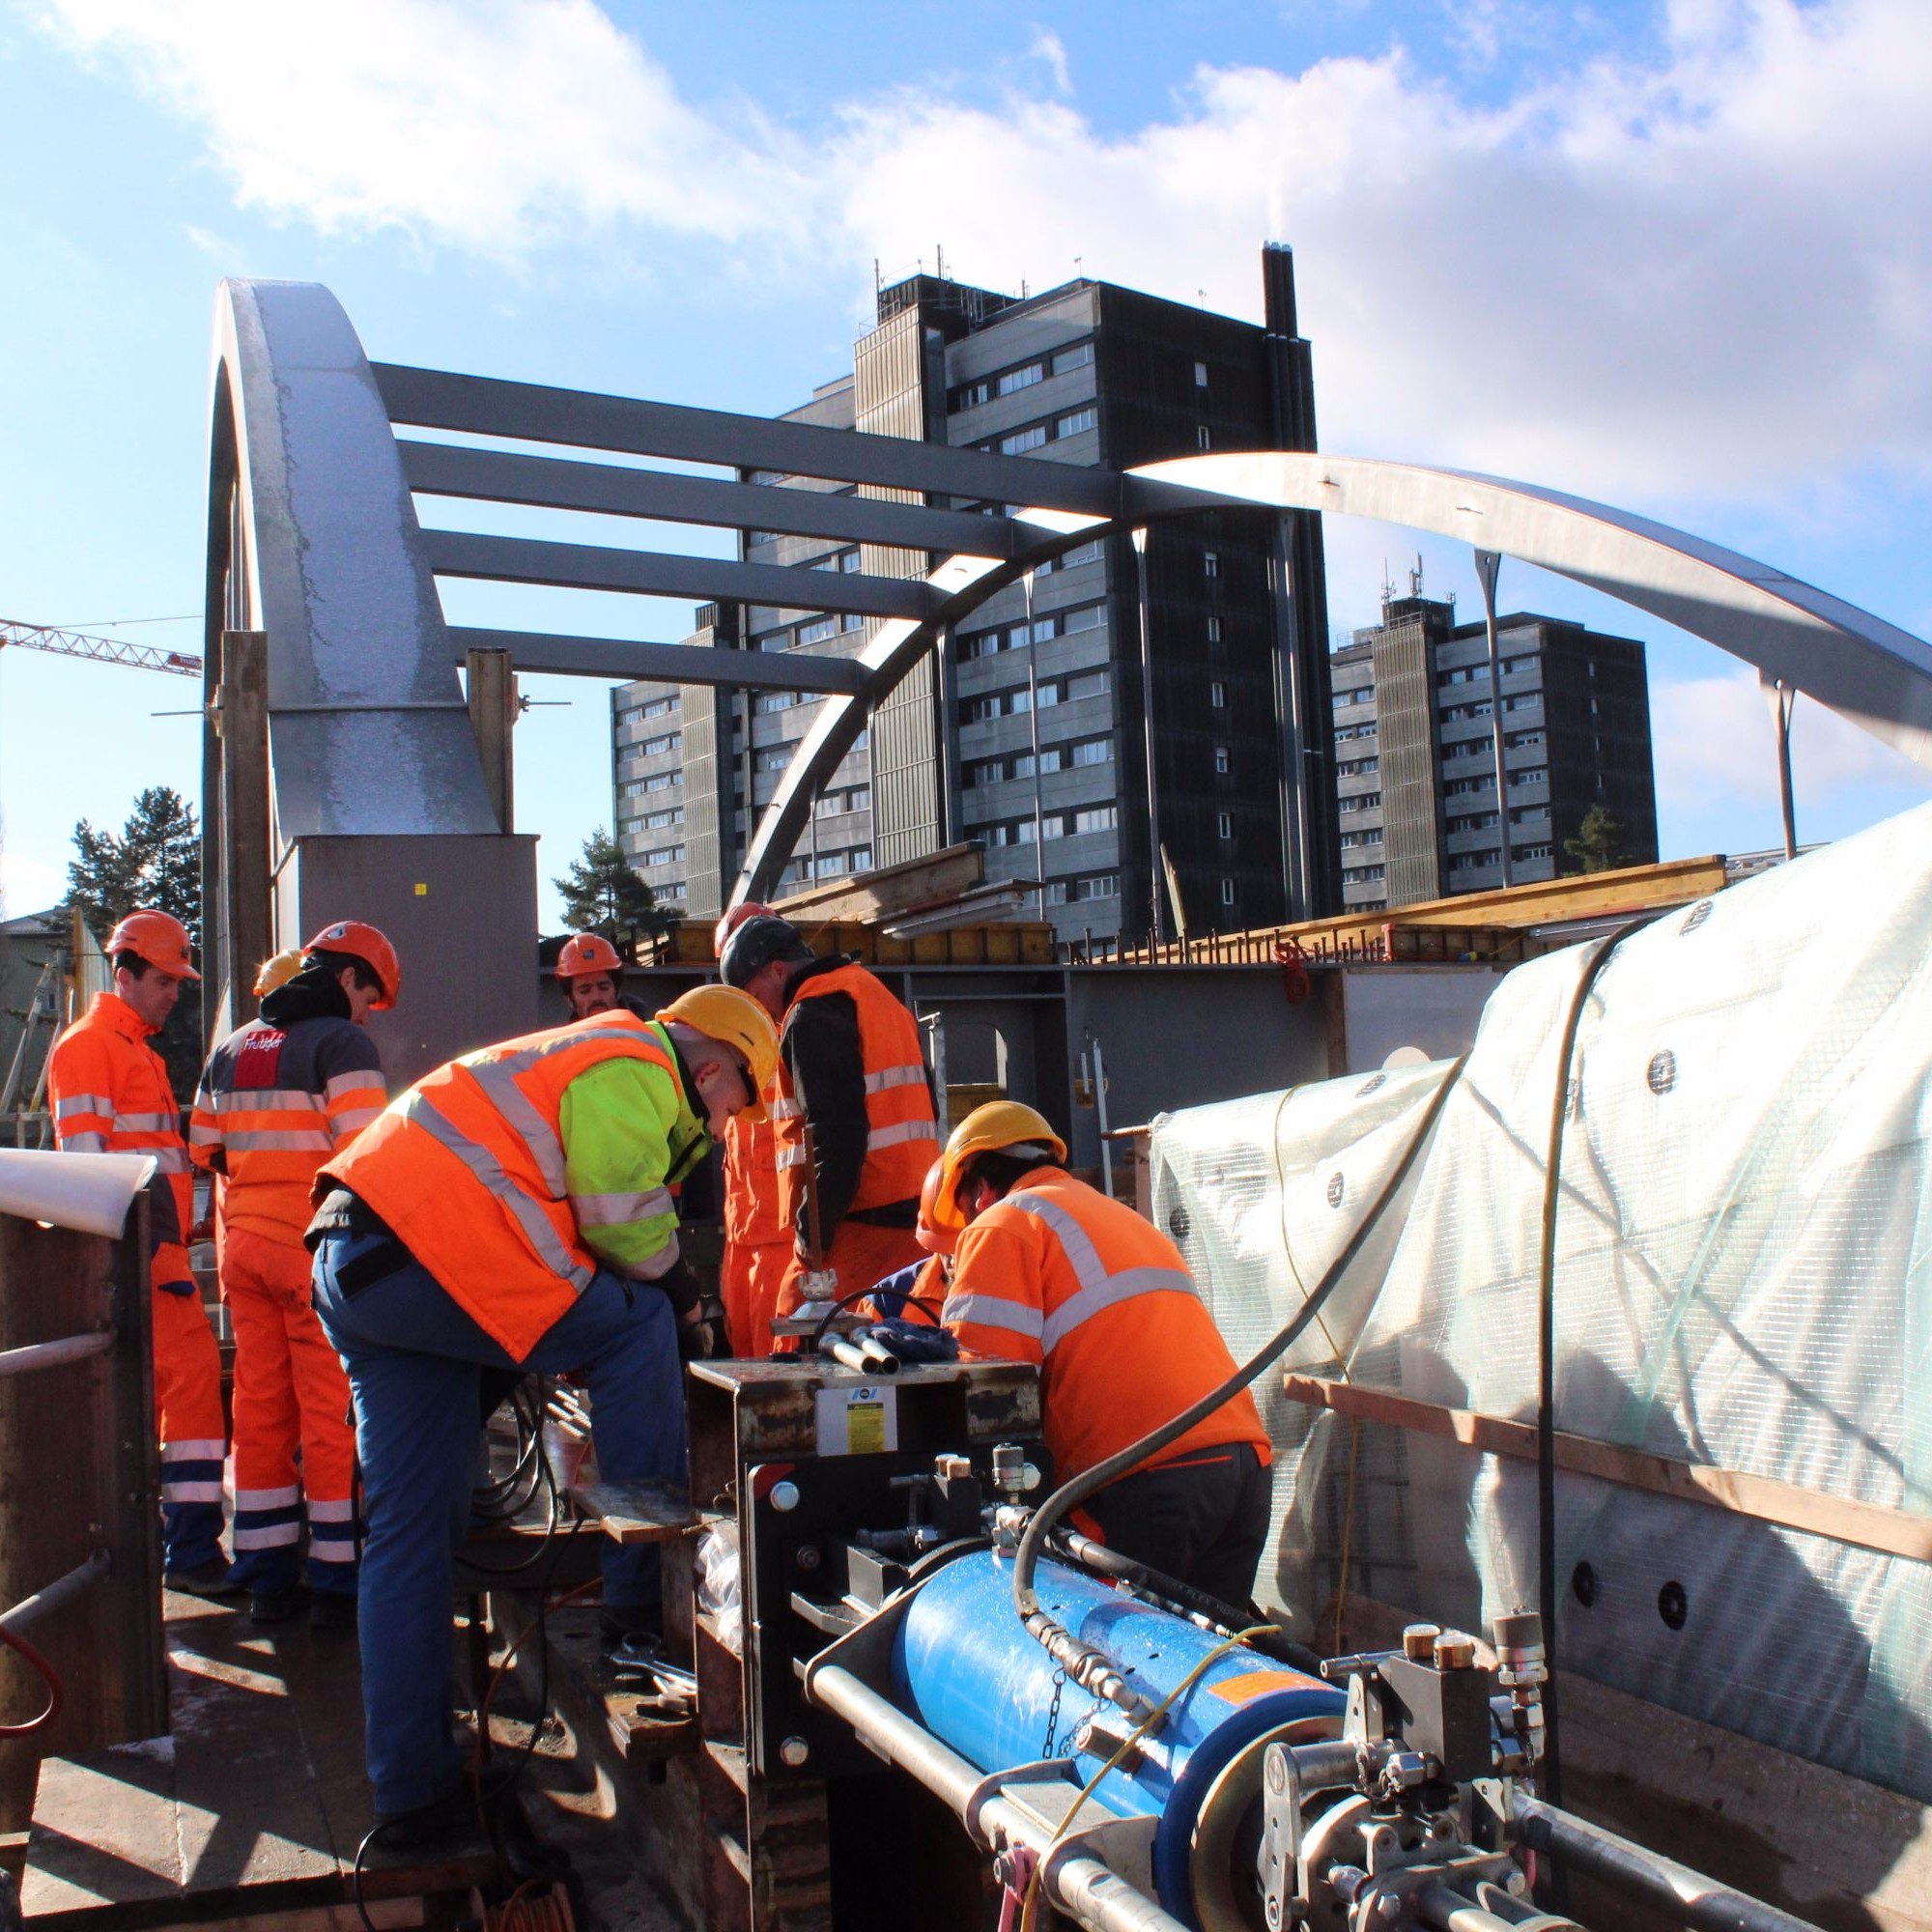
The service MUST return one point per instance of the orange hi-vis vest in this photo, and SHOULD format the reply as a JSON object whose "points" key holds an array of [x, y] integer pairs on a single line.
{"points": [[467, 1171], [902, 1135], [753, 1215], [1057, 1274], [109, 1093]]}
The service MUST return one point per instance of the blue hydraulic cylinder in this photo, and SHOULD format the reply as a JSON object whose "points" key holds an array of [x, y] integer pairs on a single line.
{"points": [[967, 1668]]}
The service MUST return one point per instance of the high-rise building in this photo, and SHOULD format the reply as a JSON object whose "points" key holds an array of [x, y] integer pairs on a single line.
{"points": [[1416, 738], [1026, 731]]}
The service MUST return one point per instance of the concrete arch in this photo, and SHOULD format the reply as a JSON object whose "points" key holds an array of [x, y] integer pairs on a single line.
{"points": [[1869, 671]]}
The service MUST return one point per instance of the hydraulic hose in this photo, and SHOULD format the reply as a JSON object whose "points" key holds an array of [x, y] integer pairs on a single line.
{"points": [[1090, 1669], [1551, 1768], [56, 1692]]}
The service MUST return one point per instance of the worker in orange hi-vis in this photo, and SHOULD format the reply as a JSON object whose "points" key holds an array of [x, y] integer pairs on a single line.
{"points": [[849, 1070], [110, 1092], [1050, 1270], [591, 973], [757, 1242], [278, 1097], [922, 1284]]}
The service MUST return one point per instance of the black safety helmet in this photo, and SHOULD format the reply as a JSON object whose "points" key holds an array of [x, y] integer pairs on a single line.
{"points": [[755, 945]]}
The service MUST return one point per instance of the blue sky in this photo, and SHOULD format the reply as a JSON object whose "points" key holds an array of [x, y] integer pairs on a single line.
{"points": [[1674, 256]]}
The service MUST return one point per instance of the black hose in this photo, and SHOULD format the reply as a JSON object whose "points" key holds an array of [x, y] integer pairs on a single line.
{"points": [[922, 1302], [1551, 1771], [1070, 1494]]}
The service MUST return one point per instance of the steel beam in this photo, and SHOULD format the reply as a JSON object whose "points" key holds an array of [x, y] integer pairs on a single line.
{"points": [[669, 663], [650, 573], [433, 399], [499, 476]]}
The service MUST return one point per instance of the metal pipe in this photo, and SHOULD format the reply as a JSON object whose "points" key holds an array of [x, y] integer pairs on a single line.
{"points": [[31, 1609], [1093, 1892], [1450, 1911], [1100, 1104], [1689, 1896], [52, 1355], [1321, 1766]]}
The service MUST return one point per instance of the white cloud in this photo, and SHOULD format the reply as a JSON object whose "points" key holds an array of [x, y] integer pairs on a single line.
{"points": [[1708, 278], [28, 883], [1049, 47], [1716, 747]]}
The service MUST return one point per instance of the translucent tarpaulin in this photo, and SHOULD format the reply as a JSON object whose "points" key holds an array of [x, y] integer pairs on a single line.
{"points": [[1741, 1280]]}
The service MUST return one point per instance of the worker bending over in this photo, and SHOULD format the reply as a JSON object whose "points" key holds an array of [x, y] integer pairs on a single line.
{"points": [[1050, 1270], [593, 977], [512, 1210], [850, 1069], [110, 1092], [277, 1099], [757, 1242]]}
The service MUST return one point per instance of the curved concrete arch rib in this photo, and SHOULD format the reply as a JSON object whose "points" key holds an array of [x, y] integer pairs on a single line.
{"points": [[1870, 672], [368, 728]]}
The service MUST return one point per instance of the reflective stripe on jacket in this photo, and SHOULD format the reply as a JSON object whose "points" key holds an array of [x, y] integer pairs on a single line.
{"points": [[901, 1133], [754, 1214], [479, 1174], [1057, 1274], [273, 1104], [108, 1092]]}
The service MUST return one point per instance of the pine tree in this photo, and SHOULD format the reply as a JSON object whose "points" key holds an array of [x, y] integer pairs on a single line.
{"points": [[154, 862], [602, 894], [1599, 843]]}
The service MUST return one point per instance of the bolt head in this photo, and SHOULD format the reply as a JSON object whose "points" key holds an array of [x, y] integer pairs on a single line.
{"points": [[794, 1751], [1276, 1767], [1418, 1641], [784, 1495], [808, 1556], [1454, 1651]]}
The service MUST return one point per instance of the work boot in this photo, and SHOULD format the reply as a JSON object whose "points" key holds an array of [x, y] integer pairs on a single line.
{"points": [[450, 1824], [214, 1579], [332, 1611], [275, 1607]]}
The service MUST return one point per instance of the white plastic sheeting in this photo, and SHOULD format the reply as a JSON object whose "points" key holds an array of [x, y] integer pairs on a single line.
{"points": [[1744, 1278]]}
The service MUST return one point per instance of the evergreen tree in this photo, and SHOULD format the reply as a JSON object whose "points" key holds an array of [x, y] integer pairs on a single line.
{"points": [[602, 894], [154, 862], [1599, 843]]}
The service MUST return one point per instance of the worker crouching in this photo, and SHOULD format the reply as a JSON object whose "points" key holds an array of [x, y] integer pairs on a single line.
{"points": [[1050, 1270], [513, 1211]]}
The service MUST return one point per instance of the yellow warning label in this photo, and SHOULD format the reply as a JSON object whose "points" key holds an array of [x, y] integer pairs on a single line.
{"points": [[1253, 1684], [866, 1428]]}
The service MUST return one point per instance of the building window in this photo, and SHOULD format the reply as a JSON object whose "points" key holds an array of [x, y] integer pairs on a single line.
{"points": [[862, 859], [1092, 752], [1533, 851], [1226, 891], [669, 741], [1023, 439], [777, 701], [1089, 684], [1199, 375], [665, 855], [1225, 824], [1056, 892], [1096, 819], [664, 780], [658, 821], [1218, 695], [818, 630], [1362, 876], [1528, 700], [1103, 887], [1213, 629], [1079, 356], [1021, 379], [1089, 617], [1079, 421], [1201, 439], [1516, 740], [848, 560], [775, 758], [1221, 760]]}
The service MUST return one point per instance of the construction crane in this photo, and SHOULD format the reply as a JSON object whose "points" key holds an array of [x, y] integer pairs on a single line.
{"points": [[103, 650]]}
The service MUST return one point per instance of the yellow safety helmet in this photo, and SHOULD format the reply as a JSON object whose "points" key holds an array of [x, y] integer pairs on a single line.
{"points": [[277, 971], [736, 1020], [1000, 1127]]}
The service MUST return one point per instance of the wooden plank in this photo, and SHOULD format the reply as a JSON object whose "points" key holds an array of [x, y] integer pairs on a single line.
{"points": [[643, 1512], [889, 888], [1866, 1526]]}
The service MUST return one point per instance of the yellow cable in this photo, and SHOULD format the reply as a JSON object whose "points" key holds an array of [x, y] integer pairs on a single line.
{"points": [[1030, 1906]]}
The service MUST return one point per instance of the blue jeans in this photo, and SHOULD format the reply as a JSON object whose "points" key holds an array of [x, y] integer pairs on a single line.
{"points": [[414, 1357]]}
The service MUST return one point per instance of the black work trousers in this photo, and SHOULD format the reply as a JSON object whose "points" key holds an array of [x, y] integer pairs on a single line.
{"points": [[1203, 1518]]}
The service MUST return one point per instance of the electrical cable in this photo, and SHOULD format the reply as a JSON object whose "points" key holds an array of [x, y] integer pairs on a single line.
{"points": [[1050, 1635], [1552, 1769], [56, 1691]]}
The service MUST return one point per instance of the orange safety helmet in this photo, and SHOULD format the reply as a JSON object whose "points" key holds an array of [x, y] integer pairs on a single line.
{"points": [[928, 1234], [159, 938], [368, 945], [733, 920], [588, 952]]}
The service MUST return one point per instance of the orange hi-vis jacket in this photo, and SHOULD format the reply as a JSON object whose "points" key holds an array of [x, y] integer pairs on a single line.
{"points": [[110, 1092], [902, 1134], [467, 1170], [274, 1103], [1057, 1274], [754, 1214]]}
